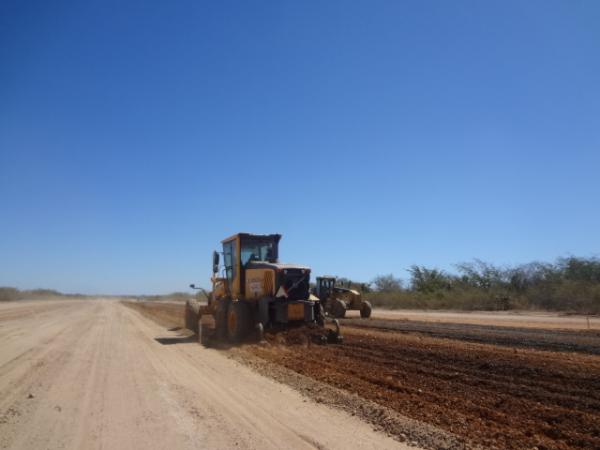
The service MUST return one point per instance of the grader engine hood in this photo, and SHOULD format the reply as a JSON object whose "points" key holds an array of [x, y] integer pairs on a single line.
{"points": [[291, 280], [344, 290], [274, 266]]}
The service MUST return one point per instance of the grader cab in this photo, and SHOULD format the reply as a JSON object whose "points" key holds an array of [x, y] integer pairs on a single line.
{"points": [[252, 291]]}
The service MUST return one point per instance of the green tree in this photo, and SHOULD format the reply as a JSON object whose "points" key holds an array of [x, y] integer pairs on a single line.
{"points": [[481, 274], [386, 283], [427, 280]]}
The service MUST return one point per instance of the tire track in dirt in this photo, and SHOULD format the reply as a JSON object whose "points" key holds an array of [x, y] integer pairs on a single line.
{"points": [[24, 380], [581, 341], [492, 396], [100, 375]]}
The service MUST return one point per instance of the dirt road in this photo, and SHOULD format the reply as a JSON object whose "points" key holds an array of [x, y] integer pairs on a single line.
{"points": [[96, 374]]}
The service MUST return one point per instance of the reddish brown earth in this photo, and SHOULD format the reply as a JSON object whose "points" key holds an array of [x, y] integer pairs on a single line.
{"points": [[559, 340], [513, 318], [508, 389], [491, 396]]}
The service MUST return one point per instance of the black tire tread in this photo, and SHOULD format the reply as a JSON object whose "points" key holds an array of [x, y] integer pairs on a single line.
{"points": [[192, 310], [365, 309], [242, 312]]}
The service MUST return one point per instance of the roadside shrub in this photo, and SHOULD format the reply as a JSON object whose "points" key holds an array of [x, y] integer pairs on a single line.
{"points": [[8, 294], [386, 283], [570, 284]]}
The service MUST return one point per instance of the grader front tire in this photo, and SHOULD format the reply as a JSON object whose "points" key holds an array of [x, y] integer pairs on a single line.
{"points": [[204, 334], [192, 314], [338, 308]]}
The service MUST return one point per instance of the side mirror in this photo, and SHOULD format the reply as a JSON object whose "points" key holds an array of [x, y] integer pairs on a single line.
{"points": [[215, 262], [193, 286]]}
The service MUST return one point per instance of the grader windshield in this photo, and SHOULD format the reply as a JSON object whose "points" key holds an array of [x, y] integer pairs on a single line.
{"points": [[258, 249]]}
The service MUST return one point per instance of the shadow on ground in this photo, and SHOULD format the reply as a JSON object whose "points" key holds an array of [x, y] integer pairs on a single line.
{"points": [[177, 340]]}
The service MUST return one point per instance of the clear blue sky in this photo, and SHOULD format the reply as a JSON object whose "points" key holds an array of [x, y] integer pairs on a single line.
{"points": [[373, 135]]}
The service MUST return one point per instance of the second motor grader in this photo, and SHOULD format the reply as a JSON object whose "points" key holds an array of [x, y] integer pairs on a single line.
{"points": [[337, 300]]}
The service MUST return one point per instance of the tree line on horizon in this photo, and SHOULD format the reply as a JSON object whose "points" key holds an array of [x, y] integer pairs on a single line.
{"points": [[10, 293], [568, 284]]}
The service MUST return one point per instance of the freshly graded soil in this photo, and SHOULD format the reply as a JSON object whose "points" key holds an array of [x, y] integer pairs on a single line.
{"points": [[491, 396], [567, 340]]}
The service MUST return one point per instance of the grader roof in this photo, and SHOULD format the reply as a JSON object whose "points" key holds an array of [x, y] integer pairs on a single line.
{"points": [[276, 237]]}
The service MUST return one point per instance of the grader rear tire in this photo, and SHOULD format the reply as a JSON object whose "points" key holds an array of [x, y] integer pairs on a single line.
{"points": [[192, 314], [238, 321], [221, 309], [365, 310]]}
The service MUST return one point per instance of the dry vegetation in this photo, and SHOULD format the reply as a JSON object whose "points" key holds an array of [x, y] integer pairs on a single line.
{"points": [[8, 294], [569, 284], [172, 297]]}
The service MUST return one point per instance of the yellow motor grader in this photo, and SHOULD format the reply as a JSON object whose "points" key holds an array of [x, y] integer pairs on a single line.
{"points": [[254, 292], [337, 300]]}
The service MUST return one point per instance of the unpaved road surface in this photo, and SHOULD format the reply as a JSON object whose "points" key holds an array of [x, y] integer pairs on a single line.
{"points": [[97, 374]]}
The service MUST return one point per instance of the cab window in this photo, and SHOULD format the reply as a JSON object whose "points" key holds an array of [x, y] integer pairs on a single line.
{"points": [[256, 251], [229, 260]]}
